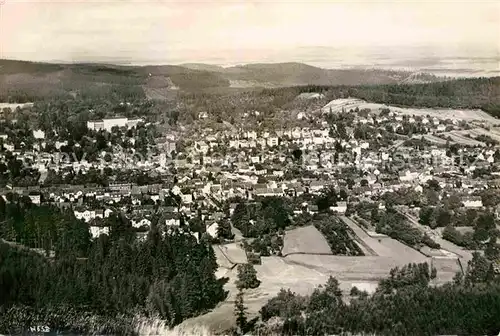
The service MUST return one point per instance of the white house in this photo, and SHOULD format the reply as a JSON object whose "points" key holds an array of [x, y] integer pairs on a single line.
{"points": [[472, 202], [141, 223], [39, 134], [109, 123], [408, 176], [340, 208], [212, 230], [35, 199], [96, 231], [272, 141]]}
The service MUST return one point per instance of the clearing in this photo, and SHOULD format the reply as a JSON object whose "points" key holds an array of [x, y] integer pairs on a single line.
{"points": [[459, 137], [305, 240], [469, 115], [306, 265]]}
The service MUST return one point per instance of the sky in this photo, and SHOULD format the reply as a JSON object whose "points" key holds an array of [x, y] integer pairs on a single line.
{"points": [[158, 31]]}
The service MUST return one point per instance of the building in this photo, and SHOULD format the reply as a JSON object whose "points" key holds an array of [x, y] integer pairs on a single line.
{"points": [[472, 202], [341, 207], [109, 123]]}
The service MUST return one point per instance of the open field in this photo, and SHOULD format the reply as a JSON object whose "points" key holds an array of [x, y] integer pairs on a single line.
{"points": [[384, 246], [13, 106], [301, 273], [493, 133], [448, 248], [431, 138], [233, 253], [459, 114], [305, 240], [458, 137]]}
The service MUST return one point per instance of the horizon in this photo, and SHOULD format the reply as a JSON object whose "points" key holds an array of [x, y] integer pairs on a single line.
{"points": [[328, 35]]}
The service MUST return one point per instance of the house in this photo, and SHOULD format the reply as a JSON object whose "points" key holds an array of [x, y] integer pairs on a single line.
{"points": [[107, 124], [172, 219], [85, 215], [340, 208], [272, 141], [96, 231], [35, 199], [141, 223], [313, 209], [316, 186], [212, 229], [39, 134], [405, 176], [187, 198], [441, 128], [472, 202]]}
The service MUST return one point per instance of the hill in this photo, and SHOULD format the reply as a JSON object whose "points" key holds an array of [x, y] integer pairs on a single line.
{"points": [[289, 74], [22, 81], [202, 67]]}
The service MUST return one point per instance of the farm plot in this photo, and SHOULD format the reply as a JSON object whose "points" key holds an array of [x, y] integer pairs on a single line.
{"points": [[475, 132], [431, 138], [234, 253], [305, 240], [461, 139], [446, 269], [385, 246], [348, 268], [337, 105]]}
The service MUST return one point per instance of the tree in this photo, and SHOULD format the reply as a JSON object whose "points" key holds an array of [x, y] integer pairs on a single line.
{"points": [[224, 230], [425, 215], [240, 312], [297, 154], [479, 270], [247, 277], [433, 185], [327, 199], [484, 224], [442, 218]]}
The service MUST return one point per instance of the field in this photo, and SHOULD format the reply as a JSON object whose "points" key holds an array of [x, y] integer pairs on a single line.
{"points": [[306, 264], [431, 138], [230, 254], [457, 114], [14, 106], [459, 137], [493, 133], [305, 240]]}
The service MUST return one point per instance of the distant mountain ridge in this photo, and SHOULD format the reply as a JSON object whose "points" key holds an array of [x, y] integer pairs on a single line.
{"points": [[41, 79]]}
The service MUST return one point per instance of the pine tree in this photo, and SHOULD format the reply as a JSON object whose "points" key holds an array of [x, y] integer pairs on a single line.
{"points": [[240, 313], [247, 277]]}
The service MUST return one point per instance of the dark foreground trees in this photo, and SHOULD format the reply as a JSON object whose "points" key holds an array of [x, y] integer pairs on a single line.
{"points": [[168, 275], [404, 304]]}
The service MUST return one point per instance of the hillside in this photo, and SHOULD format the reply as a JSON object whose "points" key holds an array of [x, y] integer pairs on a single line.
{"points": [[289, 74], [27, 81]]}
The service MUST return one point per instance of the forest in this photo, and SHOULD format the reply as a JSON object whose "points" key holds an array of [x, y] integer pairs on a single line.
{"points": [[112, 278]]}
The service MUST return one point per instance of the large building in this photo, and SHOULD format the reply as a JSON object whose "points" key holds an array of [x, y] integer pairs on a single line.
{"points": [[108, 124]]}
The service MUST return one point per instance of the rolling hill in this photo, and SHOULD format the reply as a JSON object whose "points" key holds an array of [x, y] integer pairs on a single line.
{"points": [[22, 80]]}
